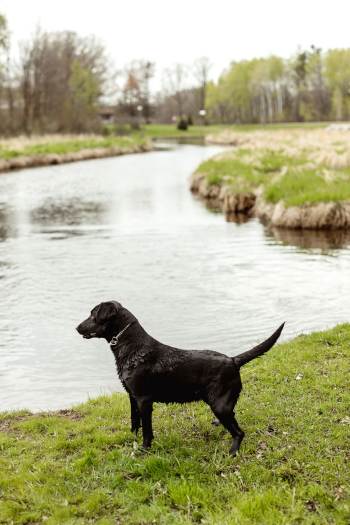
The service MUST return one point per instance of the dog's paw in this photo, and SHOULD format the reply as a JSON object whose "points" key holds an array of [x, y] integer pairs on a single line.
{"points": [[144, 449], [216, 422]]}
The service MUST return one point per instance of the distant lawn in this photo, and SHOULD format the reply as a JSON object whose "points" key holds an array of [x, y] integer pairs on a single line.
{"points": [[83, 466], [69, 145], [169, 130]]}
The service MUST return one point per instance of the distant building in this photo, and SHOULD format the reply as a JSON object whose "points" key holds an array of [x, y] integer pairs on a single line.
{"points": [[106, 115]]}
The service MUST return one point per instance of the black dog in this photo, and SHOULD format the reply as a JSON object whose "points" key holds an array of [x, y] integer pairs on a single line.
{"points": [[153, 372]]}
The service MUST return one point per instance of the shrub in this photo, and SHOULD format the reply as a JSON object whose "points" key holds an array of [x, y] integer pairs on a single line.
{"points": [[182, 124]]}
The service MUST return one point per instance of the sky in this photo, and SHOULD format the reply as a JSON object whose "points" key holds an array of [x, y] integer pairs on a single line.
{"points": [[168, 32]]}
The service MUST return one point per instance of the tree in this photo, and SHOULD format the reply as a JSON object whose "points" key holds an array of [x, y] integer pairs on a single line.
{"points": [[131, 92], [201, 68], [136, 91], [4, 33], [337, 73], [147, 72], [6, 74], [239, 89], [315, 76], [260, 88], [174, 82], [61, 73], [84, 91], [299, 77]]}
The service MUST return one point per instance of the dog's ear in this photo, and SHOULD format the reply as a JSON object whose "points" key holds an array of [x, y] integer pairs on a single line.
{"points": [[107, 312]]}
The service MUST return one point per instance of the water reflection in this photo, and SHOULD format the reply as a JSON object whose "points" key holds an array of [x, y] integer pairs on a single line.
{"points": [[324, 240], [73, 211], [7, 222], [238, 218]]}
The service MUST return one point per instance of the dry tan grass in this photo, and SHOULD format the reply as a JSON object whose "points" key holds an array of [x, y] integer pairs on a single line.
{"points": [[318, 145], [23, 141]]}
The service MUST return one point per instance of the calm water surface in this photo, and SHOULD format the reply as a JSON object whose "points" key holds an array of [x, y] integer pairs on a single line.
{"points": [[128, 228]]}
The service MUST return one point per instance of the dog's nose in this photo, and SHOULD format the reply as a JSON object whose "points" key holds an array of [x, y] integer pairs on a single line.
{"points": [[77, 328]]}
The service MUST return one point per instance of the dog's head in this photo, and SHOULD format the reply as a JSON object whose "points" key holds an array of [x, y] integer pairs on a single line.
{"points": [[106, 320]]}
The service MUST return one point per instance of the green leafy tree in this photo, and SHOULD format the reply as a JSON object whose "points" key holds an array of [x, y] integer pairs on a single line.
{"points": [[238, 88], [299, 76], [316, 83], [230, 99], [4, 34], [84, 92], [337, 73]]}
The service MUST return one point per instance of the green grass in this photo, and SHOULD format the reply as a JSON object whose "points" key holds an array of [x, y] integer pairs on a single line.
{"points": [[165, 130], [170, 130], [73, 146], [84, 466], [283, 177]]}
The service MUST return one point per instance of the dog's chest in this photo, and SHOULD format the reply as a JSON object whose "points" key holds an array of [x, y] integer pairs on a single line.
{"points": [[126, 364]]}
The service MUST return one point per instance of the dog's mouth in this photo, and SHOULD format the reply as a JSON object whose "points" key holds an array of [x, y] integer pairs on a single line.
{"points": [[89, 336]]}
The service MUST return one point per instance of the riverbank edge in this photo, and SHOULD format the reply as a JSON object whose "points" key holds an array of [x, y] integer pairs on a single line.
{"points": [[318, 216], [33, 161], [293, 465]]}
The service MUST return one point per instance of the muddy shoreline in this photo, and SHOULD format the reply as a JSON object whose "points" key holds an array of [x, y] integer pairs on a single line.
{"points": [[34, 161], [319, 216]]}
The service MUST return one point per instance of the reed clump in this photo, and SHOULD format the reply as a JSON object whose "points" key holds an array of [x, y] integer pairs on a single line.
{"points": [[320, 146]]}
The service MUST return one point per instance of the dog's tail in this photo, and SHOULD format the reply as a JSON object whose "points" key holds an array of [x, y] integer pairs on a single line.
{"points": [[257, 351]]}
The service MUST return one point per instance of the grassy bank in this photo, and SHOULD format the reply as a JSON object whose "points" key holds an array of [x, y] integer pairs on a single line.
{"points": [[84, 466], [297, 166], [63, 144], [295, 180]]}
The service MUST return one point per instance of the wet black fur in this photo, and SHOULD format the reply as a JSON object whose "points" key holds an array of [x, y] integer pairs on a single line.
{"points": [[153, 372]]}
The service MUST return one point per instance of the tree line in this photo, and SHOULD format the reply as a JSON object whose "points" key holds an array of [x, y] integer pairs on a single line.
{"points": [[60, 82], [310, 86]]}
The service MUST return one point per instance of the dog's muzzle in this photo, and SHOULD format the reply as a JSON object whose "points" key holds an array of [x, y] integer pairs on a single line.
{"points": [[88, 332], [89, 336]]}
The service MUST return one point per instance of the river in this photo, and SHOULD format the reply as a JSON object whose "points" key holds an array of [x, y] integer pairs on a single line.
{"points": [[128, 228]]}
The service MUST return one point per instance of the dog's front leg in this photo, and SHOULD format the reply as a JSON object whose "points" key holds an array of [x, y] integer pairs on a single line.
{"points": [[135, 415], [145, 408]]}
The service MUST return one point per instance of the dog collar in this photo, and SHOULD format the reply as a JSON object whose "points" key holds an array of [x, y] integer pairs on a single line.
{"points": [[115, 338]]}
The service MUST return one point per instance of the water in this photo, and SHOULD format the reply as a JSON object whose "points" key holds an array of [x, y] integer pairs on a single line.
{"points": [[128, 228]]}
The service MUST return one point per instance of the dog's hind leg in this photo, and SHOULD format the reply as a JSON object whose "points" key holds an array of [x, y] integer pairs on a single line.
{"points": [[230, 423], [145, 409], [135, 415], [226, 416]]}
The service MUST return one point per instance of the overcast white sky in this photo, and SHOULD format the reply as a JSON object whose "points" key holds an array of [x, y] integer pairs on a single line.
{"points": [[181, 31]]}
